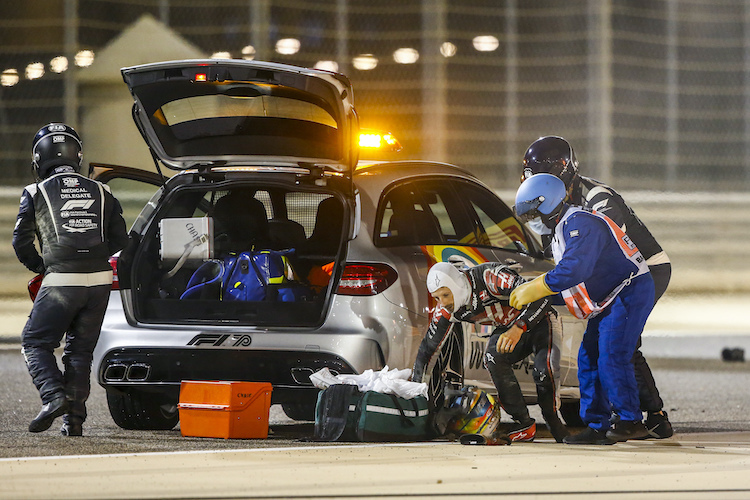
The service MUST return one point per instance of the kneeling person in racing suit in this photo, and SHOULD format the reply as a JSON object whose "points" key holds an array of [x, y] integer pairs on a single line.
{"points": [[480, 295]]}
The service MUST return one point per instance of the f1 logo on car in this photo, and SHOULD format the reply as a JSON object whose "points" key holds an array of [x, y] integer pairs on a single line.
{"points": [[77, 204]]}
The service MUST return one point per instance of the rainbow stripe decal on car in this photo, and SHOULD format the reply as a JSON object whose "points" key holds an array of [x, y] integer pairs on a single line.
{"points": [[442, 253]]}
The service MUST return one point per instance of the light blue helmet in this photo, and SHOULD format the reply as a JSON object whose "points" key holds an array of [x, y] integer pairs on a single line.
{"points": [[541, 195]]}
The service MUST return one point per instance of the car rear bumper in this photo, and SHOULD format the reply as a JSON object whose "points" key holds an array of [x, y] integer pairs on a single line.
{"points": [[163, 370]]}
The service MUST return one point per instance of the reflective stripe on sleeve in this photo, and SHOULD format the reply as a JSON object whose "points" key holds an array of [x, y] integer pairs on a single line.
{"points": [[659, 258]]}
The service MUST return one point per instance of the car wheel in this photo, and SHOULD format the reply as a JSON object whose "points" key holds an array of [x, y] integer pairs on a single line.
{"points": [[570, 411], [299, 411], [448, 371], [137, 410]]}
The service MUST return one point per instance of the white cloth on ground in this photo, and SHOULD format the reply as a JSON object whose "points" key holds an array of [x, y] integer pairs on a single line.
{"points": [[385, 381]]}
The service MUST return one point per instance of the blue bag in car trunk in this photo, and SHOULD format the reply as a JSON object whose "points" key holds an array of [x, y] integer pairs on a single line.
{"points": [[248, 276]]}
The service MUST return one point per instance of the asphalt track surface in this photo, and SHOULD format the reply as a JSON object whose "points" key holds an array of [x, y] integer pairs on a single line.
{"points": [[709, 457]]}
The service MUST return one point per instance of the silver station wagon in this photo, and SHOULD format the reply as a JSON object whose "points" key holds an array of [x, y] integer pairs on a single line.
{"points": [[274, 251]]}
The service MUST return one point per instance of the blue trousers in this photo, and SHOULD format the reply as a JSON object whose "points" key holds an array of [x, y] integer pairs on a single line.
{"points": [[605, 367]]}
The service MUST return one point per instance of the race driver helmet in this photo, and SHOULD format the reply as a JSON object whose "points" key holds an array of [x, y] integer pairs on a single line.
{"points": [[476, 412], [55, 144], [551, 155], [540, 196], [445, 274]]}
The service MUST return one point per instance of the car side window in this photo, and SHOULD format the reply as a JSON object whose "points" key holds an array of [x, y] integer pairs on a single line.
{"points": [[496, 225], [421, 213]]}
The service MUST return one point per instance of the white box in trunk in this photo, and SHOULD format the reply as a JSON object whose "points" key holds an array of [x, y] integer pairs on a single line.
{"points": [[194, 235]]}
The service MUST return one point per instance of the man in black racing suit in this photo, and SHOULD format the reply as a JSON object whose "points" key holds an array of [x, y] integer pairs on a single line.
{"points": [[79, 225], [554, 155], [480, 295]]}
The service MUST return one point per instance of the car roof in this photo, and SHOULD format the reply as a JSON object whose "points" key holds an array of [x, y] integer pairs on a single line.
{"points": [[379, 175]]}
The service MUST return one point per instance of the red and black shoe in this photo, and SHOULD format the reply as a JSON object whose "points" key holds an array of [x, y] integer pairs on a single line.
{"points": [[522, 432]]}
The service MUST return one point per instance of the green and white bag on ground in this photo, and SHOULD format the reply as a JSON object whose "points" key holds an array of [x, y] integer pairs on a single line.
{"points": [[343, 413]]}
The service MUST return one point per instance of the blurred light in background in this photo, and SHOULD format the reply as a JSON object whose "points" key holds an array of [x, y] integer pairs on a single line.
{"points": [[377, 139], [221, 55], [365, 62], [327, 65], [448, 49], [406, 55], [248, 52], [9, 77], [34, 71], [58, 64], [288, 46], [485, 43], [84, 58]]}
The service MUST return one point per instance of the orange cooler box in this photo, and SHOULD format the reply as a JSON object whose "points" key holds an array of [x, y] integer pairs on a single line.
{"points": [[224, 409]]}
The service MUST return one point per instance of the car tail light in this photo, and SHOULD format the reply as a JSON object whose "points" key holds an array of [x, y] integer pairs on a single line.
{"points": [[35, 284], [115, 279], [366, 279]]}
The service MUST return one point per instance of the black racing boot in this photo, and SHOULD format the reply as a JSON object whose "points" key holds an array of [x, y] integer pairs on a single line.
{"points": [[589, 436], [556, 428], [658, 425], [50, 411], [71, 429], [622, 430], [554, 424]]}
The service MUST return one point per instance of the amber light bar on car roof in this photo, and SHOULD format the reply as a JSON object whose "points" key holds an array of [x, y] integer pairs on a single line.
{"points": [[378, 140]]}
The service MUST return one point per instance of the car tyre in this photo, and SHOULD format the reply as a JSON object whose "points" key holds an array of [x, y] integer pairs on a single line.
{"points": [[299, 411], [448, 371], [571, 413], [138, 410]]}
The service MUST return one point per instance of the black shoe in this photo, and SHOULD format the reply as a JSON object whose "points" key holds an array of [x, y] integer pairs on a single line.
{"points": [[557, 429], [50, 411], [658, 425], [589, 436], [71, 429], [623, 430]]}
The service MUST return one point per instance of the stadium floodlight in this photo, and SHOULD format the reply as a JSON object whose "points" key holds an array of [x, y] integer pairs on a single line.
{"points": [[84, 58], [58, 64], [288, 46], [406, 55], [327, 65], [448, 49], [485, 43], [9, 77], [34, 70], [248, 52], [365, 62]]}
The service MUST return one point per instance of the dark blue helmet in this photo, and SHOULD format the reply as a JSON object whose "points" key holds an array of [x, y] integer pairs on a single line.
{"points": [[54, 145], [551, 155]]}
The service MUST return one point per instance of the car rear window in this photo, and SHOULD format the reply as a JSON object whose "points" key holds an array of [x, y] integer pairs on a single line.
{"points": [[224, 106]]}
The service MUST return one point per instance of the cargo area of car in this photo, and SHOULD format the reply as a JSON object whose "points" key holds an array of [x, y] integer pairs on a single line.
{"points": [[244, 254]]}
